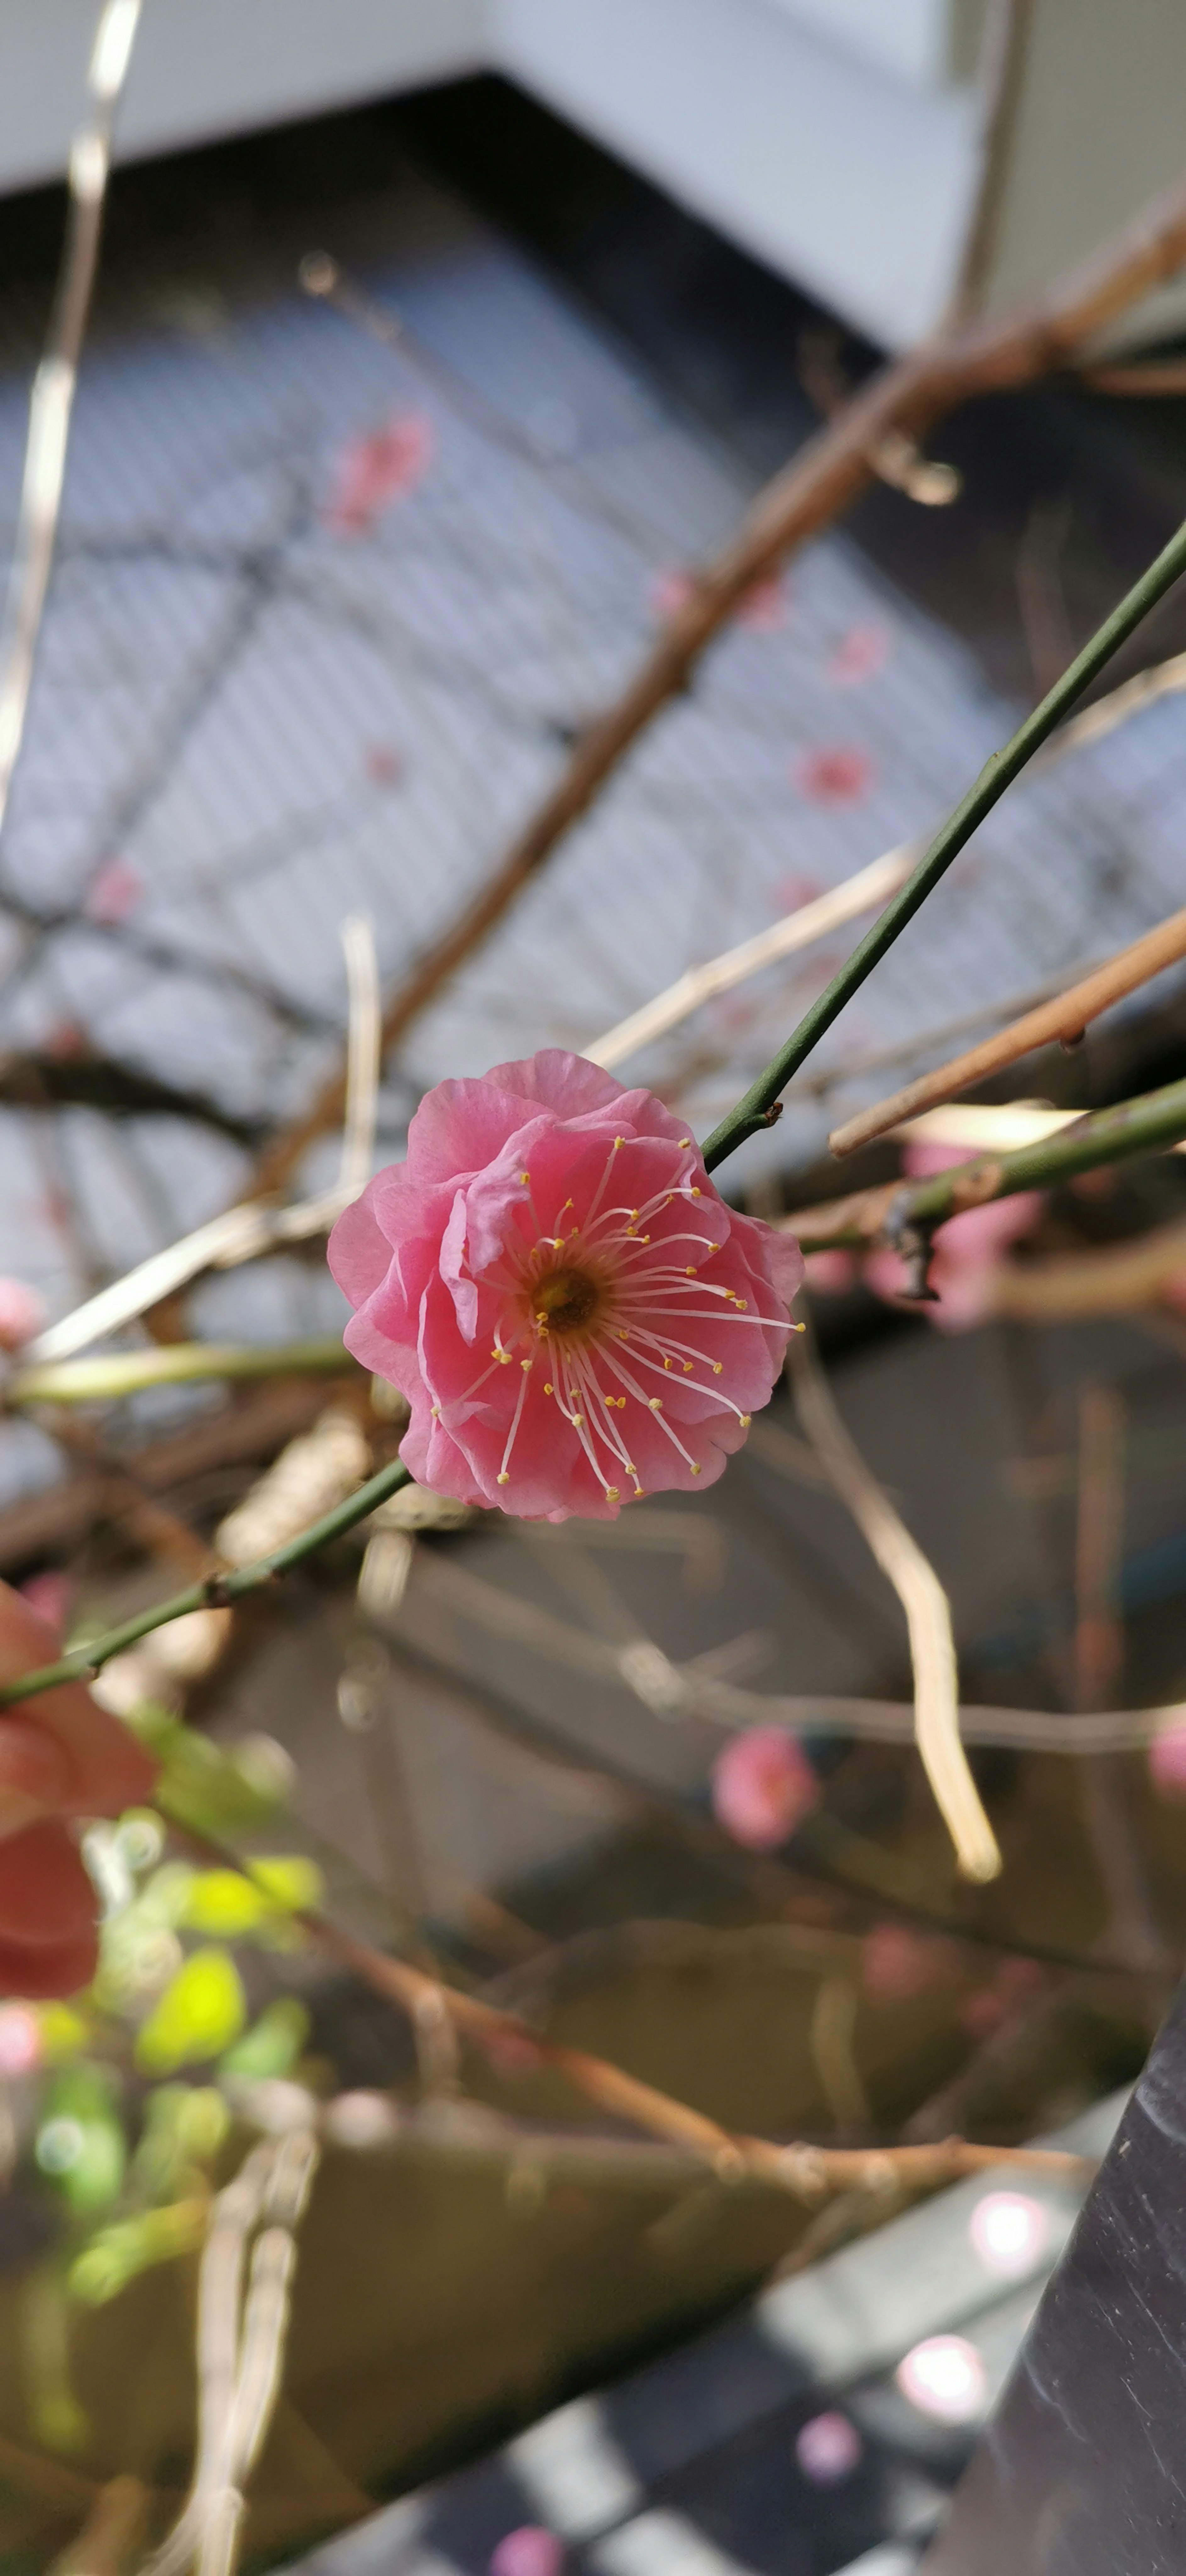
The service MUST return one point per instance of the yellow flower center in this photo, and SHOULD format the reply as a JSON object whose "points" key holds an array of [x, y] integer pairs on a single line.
{"points": [[565, 1300]]}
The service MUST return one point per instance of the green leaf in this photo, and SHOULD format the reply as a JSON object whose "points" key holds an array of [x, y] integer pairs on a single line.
{"points": [[116, 2254], [273, 2043], [292, 1883], [222, 1901], [200, 2013]]}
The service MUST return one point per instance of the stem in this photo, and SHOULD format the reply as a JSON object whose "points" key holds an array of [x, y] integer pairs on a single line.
{"points": [[100, 1381], [753, 1112], [217, 1589], [1146, 1125]]}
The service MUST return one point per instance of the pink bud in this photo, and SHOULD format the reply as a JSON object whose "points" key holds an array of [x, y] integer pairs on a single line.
{"points": [[897, 1964], [20, 2039], [762, 1787], [529, 2551], [829, 1273], [115, 892], [50, 1595], [1167, 1760], [828, 2449], [837, 774], [21, 1314]]}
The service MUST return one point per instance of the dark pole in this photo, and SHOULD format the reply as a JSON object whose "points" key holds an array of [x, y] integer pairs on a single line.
{"points": [[1083, 2470]]}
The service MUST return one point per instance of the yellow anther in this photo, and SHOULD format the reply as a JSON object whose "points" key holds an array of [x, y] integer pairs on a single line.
{"points": [[689, 1273], [549, 1389], [525, 1364], [654, 1404], [666, 1363], [716, 1367], [623, 1335], [504, 1479], [619, 1141], [684, 1142], [695, 1193], [525, 1177], [631, 1469], [612, 1495], [745, 1420], [687, 1367], [695, 1470], [578, 1421]]}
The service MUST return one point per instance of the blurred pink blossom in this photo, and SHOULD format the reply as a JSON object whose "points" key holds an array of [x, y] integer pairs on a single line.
{"points": [[20, 2040], [1166, 1758], [897, 1964], [377, 469], [861, 653], [50, 1595], [529, 2551], [829, 1273], [115, 892], [762, 1787], [763, 608], [21, 1314], [837, 774], [828, 2448]]}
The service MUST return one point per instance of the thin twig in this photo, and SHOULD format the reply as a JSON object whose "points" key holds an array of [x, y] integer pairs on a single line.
{"points": [[243, 1232], [104, 1381], [217, 1591], [928, 1619], [1065, 1018], [799, 929], [57, 374], [1150, 1124]]}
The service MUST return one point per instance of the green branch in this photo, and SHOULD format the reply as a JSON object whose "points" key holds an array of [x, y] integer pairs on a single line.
{"points": [[754, 1111], [1147, 1125], [215, 1592], [101, 1381]]}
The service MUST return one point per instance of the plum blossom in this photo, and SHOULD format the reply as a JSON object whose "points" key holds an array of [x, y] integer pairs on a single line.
{"points": [[573, 1313], [21, 1314], [762, 1787], [839, 773], [374, 471], [1166, 1757], [531, 2550]]}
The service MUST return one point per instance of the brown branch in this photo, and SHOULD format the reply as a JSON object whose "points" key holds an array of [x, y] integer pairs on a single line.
{"points": [[1158, 377], [1064, 1018], [829, 473]]}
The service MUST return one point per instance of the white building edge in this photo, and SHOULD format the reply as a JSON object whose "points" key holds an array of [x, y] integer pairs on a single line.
{"points": [[853, 145]]}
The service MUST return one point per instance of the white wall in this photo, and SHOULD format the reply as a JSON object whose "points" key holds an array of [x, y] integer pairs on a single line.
{"points": [[207, 67], [847, 180]]}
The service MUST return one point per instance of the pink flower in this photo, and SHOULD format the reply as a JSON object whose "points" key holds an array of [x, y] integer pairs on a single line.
{"points": [[762, 1787], [50, 1595], [828, 1274], [529, 2551], [573, 1313], [764, 608], [21, 1314], [1167, 1760], [968, 1249], [20, 2040], [838, 774], [898, 1964], [376, 470], [116, 890], [863, 652]]}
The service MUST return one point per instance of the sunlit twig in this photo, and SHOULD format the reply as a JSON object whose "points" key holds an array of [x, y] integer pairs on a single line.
{"points": [[52, 397]]}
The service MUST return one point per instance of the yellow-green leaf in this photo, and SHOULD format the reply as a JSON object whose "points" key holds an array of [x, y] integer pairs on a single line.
{"points": [[201, 2012], [291, 1882], [222, 1901]]}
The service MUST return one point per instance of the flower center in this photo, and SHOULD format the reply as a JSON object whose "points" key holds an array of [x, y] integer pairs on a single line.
{"points": [[566, 1299]]}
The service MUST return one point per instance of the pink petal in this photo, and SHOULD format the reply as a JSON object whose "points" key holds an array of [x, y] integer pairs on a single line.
{"points": [[21, 1314], [836, 774], [762, 1787]]}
